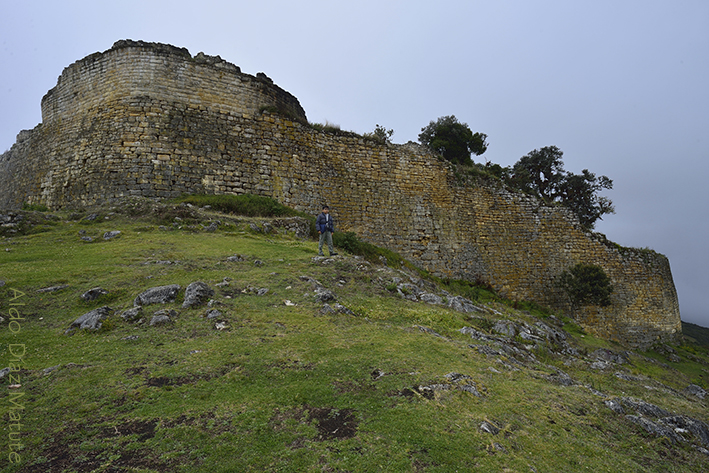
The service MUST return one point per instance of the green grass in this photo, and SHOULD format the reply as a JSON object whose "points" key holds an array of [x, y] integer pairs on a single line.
{"points": [[260, 395]]}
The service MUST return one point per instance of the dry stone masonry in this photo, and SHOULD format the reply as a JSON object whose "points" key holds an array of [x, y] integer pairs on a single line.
{"points": [[151, 120]]}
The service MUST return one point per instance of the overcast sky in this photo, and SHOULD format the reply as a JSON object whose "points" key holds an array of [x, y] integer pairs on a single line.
{"points": [[622, 87]]}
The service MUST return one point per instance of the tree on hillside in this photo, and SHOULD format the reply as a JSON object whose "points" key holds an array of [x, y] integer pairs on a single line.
{"points": [[454, 140], [541, 172]]}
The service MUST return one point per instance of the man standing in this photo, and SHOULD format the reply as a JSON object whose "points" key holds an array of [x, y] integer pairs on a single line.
{"points": [[326, 228]]}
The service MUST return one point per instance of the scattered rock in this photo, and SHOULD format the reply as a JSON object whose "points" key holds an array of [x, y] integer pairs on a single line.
{"points": [[93, 294], [429, 392], [376, 374], [324, 295], [112, 234], [615, 406], [455, 377], [408, 291], [429, 330], [476, 334], [486, 350], [53, 288], [496, 447], [172, 313], [342, 309], [4, 372], [600, 365], [430, 298], [461, 304], [46, 371], [560, 378], [157, 295], [131, 315], [221, 326], [489, 428], [92, 320], [87, 239], [327, 309], [644, 408], [212, 227], [160, 320], [627, 377], [235, 258], [197, 294], [694, 390], [609, 356], [655, 428], [213, 314], [506, 328], [683, 423], [225, 282], [552, 334]]}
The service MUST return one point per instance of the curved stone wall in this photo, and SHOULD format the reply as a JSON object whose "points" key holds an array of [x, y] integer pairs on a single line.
{"points": [[160, 138], [133, 69]]}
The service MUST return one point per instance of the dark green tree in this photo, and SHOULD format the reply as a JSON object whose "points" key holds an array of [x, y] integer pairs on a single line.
{"points": [[454, 140], [586, 284], [579, 192], [541, 172]]}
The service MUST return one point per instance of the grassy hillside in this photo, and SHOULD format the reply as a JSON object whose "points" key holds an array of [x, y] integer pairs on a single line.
{"points": [[312, 364]]}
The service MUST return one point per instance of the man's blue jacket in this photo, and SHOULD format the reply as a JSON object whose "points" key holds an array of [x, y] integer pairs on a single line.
{"points": [[324, 223]]}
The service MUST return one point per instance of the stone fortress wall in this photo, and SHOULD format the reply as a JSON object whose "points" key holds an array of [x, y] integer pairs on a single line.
{"points": [[150, 120]]}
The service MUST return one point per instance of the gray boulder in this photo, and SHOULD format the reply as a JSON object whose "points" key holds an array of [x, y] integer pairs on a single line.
{"points": [[615, 406], [609, 356], [92, 320], [197, 294], [655, 428], [327, 309], [683, 423], [644, 408], [93, 294], [172, 313], [461, 304], [133, 314], [111, 235], [430, 298], [157, 295], [694, 390], [506, 328], [324, 295], [160, 320], [489, 428]]}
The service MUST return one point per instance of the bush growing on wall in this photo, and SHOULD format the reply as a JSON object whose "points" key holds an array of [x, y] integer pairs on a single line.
{"points": [[587, 284]]}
